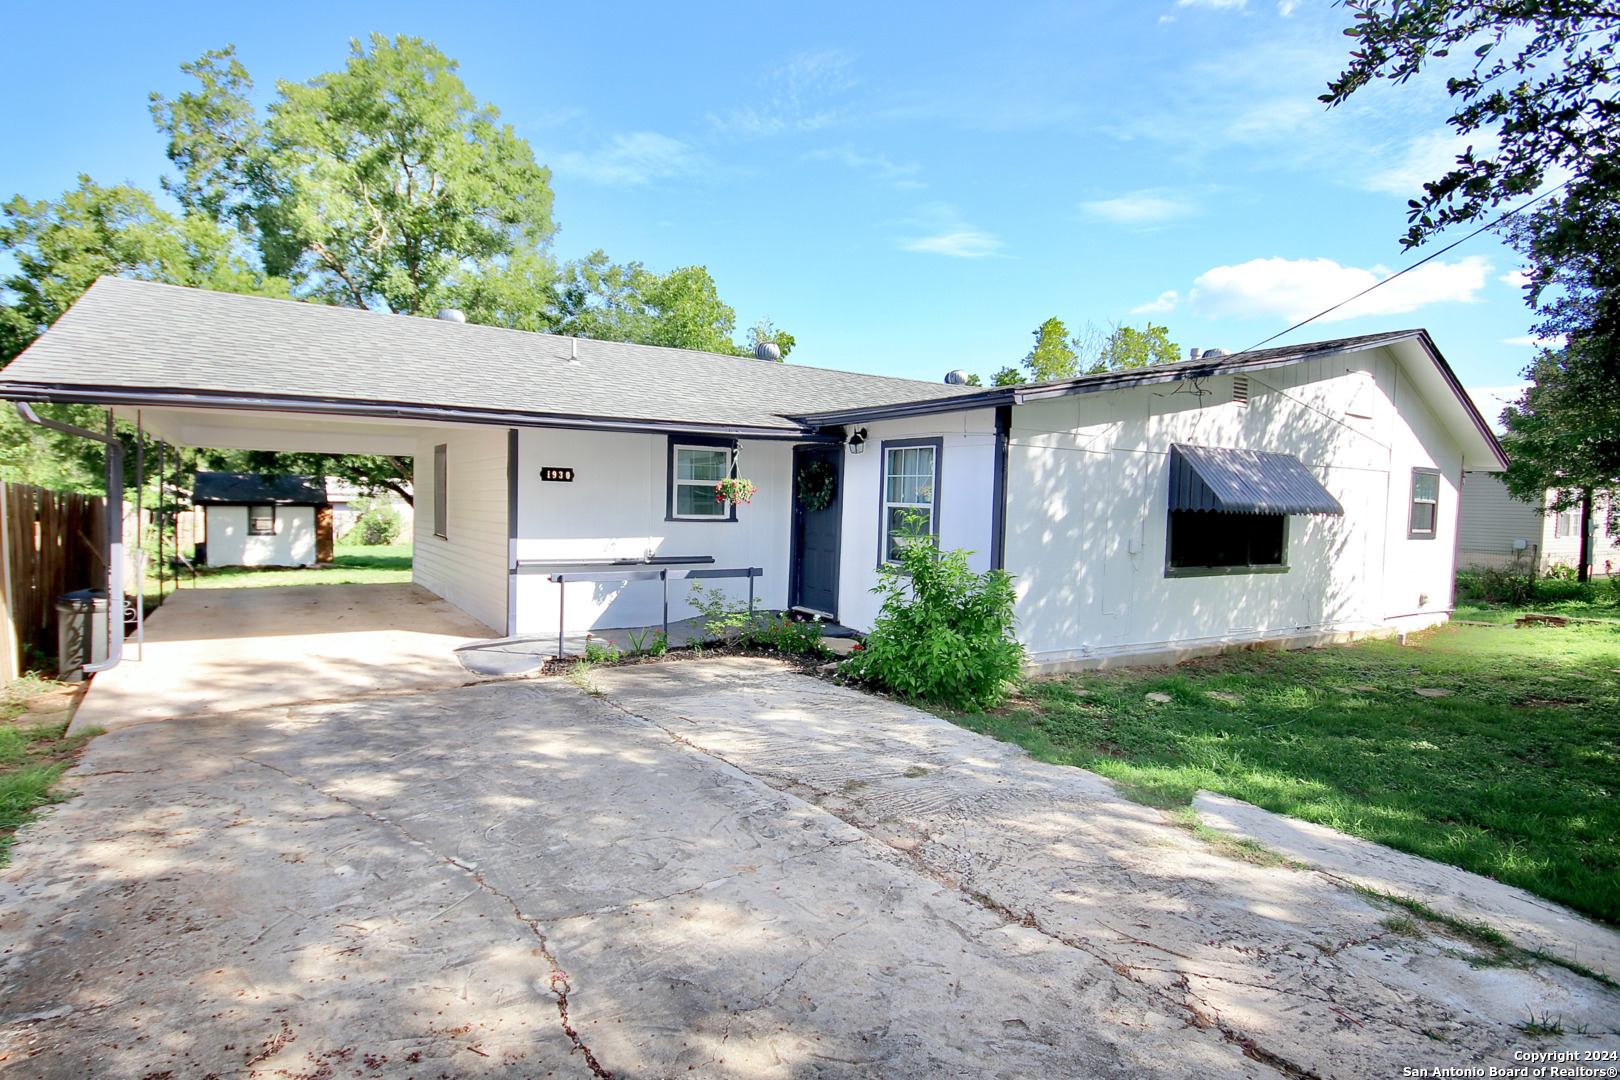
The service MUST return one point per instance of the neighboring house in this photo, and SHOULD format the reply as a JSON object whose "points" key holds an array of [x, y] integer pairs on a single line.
{"points": [[1290, 495], [345, 511], [251, 520], [1497, 530]]}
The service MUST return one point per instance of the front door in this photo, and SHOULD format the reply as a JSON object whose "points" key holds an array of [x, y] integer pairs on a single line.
{"points": [[818, 498]]}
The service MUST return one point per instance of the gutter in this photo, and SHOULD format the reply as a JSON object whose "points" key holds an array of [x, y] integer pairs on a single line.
{"points": [[115, 532], [444, 414]]}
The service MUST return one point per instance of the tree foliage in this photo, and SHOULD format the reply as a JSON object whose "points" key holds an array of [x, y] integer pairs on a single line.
{"points": [[1059, 355], [1536, 91]]}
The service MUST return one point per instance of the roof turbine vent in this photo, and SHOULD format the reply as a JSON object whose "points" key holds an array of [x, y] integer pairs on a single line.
{"points": [[768, 350], [1214, 354], [957, 377], [450, 314]]}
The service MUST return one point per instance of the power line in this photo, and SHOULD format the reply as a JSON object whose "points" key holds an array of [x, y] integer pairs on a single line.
{"points": [[1414, 266]]}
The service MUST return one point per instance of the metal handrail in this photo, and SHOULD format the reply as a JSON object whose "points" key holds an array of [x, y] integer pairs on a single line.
{"points": [[664, 576]]}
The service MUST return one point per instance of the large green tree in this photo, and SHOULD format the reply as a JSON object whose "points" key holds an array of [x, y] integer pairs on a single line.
{"points": [[1533, 86], [376, 186]]}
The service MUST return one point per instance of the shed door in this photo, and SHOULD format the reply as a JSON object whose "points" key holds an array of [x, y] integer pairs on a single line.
{"points": [[816, 531]]}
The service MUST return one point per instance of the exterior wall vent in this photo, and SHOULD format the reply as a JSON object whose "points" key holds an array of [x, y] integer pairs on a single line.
{"points": [[1240, 389]]}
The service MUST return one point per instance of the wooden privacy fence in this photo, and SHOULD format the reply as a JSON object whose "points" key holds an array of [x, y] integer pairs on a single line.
{"points": [[54, 542]]}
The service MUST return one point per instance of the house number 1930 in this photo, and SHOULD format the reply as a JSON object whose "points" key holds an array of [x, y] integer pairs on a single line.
{"points": [[557, 475]]}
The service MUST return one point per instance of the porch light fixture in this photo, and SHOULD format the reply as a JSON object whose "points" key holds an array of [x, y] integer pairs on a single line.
{"points": [[857, 441]]}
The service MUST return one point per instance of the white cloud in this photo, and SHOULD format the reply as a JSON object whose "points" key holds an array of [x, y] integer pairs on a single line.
{"points": [[965, 244], [1491, 400], [1518, 279], [1151, 207], [879, 165], [1219, 5], [1286, 8], [1166, 301], [945, 233], [798, 87], [1424, 158], [638, 158], [1530, 341], [1296, 288]]}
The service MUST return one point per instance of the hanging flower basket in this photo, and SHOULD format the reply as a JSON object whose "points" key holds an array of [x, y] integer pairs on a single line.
{"points": [[818, 483], [734, 490]]}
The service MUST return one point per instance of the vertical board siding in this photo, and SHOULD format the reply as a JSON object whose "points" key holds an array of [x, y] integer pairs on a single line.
{"points": [[468, 565], [55, 543], [1088, 495]]}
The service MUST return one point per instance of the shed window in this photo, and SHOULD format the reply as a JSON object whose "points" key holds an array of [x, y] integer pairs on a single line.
{"points": [[697, 469], [1425, 504], [910, 489], [441, 496], [1205, 541], [261, 521]]}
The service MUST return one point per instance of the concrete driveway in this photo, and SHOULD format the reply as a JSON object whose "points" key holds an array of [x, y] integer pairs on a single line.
{"points": [[715, 869], [224, 650]]}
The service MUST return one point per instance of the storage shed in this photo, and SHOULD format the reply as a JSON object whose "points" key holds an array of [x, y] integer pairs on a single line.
{"points": [[252, 520]]}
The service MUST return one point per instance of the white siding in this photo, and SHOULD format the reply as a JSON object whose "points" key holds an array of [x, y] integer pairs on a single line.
{"points": [[1088, 482], [615, 508], [468, 565], [966, 509], [226, 532], [1493, 521]]}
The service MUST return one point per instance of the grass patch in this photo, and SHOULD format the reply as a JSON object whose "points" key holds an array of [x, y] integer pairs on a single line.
{"points": [[1515, 774], [350, 565], [34, 750]]}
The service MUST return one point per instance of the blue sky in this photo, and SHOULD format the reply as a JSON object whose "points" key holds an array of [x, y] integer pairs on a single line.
{"points": [[906, 188]]}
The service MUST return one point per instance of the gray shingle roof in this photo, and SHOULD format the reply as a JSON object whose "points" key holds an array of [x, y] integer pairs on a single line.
{"points": [[251, 489], [126, 335]]}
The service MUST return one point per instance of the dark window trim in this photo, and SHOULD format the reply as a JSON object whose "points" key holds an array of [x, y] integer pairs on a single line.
{"points": [[274, 519], [1221, 571], [669, 475], [883, 488], [441, 491], [1412, 504]]}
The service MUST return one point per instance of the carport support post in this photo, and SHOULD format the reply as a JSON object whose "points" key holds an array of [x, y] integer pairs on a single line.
{"points": [[664, 576], [562, 592]]}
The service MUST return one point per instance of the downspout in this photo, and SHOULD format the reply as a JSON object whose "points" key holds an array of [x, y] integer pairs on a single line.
{"points": [[998, 490], [115, 531]]}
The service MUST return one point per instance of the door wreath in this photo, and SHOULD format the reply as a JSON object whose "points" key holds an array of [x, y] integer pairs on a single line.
{"points": [[818, 483]]}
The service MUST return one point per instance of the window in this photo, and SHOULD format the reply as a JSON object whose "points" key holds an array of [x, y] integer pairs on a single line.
{"points": [[910, 488], [261, 521], [441, 496], [1209, 542], [1425, 504], [1564, 524], [696, 465]]}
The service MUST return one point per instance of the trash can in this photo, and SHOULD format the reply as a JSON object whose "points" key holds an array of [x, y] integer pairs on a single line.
{"points": [[81, 632]]}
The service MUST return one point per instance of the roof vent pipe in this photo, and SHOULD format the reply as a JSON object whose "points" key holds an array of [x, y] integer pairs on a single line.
{"points": [[1194, 352], [450, 314], [573, 350]]}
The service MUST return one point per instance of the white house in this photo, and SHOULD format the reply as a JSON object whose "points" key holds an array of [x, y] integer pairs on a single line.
{"points": [[252, 520], [1288, 495], [1497, 530]]}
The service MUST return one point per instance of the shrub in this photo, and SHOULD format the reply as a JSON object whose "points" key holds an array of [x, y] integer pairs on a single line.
{"points": [[1496, 586], [380, 524], [944, 634], [726, 620]]}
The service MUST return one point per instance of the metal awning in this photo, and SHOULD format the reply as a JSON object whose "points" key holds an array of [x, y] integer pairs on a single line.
{"points": [[1245, 482]]}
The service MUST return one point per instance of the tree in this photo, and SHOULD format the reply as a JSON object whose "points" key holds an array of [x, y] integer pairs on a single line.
{"points": [[1053, 355], [1540, 90], [1128, 347], [379, 185]]}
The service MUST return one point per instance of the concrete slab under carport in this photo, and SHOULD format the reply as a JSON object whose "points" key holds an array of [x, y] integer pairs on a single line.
{"points": [[213, 651]]}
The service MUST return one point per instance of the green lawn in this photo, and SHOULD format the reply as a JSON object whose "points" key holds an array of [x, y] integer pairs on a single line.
{"points": [[1515, 774], [34, 749], [350, 565]]}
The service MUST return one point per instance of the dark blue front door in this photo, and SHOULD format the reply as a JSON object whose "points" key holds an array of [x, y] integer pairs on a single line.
{"points": [[816, 532]]}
